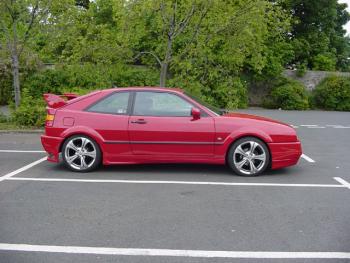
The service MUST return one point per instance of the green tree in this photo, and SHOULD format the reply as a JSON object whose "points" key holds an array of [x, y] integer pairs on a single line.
{"points": [[318, 33], [18, 20]]}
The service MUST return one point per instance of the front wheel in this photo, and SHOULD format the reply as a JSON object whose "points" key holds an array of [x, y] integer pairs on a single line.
{"points": [[81, 154], [248, 156]]}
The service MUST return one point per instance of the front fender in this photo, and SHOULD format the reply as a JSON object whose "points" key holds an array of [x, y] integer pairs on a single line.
{"points": [[222, 148]]}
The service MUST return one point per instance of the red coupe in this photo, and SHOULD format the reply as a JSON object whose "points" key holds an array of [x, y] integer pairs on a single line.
{"points": [[158, 125]]}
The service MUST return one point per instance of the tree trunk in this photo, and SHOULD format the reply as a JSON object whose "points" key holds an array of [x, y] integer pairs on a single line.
{"points": [[15, 67], [165, 63], [15, 74], [163, 74]]}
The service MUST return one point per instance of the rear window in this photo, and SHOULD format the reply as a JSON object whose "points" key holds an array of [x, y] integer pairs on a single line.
{"points": [[117, 103]]}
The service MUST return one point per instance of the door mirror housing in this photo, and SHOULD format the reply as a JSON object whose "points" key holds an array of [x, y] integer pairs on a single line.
{"points": [[196, 113]]}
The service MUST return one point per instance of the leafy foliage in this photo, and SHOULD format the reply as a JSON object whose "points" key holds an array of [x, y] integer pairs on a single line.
{"points": [[318, 35], [87, 77], [288, 95], [213, 48], [333, 93], [31, 112]]}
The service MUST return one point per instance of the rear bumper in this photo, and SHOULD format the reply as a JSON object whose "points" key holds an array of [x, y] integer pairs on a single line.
{"points": [[285, 154], [52, 147]]}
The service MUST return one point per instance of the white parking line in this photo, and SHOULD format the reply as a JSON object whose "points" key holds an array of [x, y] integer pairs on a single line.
{"points": [[20, 151], [172, 252], [9, 175], [307, 158], [342, 181], [171, 182], [316, 126]]}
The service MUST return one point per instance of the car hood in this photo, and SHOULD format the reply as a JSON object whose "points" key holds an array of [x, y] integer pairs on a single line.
{"points": [[253, 117]]}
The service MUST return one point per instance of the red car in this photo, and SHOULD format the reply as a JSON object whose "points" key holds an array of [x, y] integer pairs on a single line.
{"points": [[158, 125]]}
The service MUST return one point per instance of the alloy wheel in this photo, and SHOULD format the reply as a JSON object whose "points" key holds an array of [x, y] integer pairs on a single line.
{"points": [[80, 153], [249, 157]]}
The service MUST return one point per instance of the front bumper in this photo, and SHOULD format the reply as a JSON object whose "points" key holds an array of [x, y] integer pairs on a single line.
{"points": [[52, 147], [285, 154]]}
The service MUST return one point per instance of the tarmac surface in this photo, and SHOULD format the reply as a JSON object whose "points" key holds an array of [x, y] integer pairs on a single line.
{"points": [[180, 213]]}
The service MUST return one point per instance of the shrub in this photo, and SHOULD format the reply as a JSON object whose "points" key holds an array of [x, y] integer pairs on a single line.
{"points": [[301, 70], [88, 77], [325, 62], [5, 85], [230, 93], [333, 93], [3, 118], [31, 111], [288, 95]]}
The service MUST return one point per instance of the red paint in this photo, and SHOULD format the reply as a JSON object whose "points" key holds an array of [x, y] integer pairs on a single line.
{"points": [[150, 139]]}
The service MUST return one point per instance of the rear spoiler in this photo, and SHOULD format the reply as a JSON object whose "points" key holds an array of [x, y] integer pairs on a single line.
{"points": [[57, 101]]}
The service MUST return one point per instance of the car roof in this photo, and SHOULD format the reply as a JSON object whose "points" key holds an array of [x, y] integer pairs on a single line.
{"points": [[178, 90]]}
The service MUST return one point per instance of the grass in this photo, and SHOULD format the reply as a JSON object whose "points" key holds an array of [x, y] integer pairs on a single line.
{"points": [[12, 126]]}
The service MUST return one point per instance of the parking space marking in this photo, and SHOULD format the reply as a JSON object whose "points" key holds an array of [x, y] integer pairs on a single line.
{"points": [[172, 182], [20, 151], [307, 158], [316, 126], [342, 181], [24, 168], [172, 252]]}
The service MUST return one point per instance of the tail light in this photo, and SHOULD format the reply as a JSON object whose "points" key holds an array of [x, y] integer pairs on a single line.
{"points": [[50, 117]]}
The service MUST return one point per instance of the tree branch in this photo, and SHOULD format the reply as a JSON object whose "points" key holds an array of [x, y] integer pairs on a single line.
{"points": [[183, 24], [31, 22], [150, 53]]}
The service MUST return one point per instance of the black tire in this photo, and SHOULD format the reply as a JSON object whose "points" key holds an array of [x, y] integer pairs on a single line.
{"points": [[252, 166], [90, 144]]}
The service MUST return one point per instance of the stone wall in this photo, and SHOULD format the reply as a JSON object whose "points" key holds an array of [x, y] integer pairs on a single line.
{"points": [[258, 91], [312, 78]]}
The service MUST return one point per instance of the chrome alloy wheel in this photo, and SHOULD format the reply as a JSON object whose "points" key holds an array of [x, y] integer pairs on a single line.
{"points": [[249, 157], [80, 153]]}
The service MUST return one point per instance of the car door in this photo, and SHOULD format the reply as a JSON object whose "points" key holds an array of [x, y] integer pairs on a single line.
{"points": [[161, 124], [109, 116]]}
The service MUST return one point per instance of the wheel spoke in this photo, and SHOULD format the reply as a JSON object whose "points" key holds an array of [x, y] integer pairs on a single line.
{"points": [[253, 169], [260, 157], [253, 146], [71, 145], [72, 158], [241, 163], [84, 142], [241, 151], [90, 154], [82, 162]]}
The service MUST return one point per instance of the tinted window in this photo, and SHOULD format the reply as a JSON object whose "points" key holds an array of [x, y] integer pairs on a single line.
{"points": [[161, 104], [117, 103]]}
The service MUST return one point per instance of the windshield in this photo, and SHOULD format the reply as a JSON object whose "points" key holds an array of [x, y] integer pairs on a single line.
{"points": [[211, 108]]}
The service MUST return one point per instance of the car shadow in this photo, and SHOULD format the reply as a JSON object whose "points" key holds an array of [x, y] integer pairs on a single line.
{"points": [[200, 170]]}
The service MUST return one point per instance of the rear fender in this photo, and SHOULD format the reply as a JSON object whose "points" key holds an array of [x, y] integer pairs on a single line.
{"points": [[83, 130]]}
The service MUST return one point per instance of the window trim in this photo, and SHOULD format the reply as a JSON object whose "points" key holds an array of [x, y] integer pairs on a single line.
{"points": [[128, 108], [203, 113]]}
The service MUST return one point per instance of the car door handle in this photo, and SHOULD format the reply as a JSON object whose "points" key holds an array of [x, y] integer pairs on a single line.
{"points": [[139, 121]]}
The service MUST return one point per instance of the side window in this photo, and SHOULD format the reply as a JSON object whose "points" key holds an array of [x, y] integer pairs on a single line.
{"points": [[161, 104], [117, 103]]}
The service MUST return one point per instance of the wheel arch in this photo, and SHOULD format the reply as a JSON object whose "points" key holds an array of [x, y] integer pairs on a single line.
{"points": [[253, 135], [85, 131]]}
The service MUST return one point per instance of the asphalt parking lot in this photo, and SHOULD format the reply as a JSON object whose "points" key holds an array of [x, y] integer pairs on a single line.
{"points": [[180, 213]]}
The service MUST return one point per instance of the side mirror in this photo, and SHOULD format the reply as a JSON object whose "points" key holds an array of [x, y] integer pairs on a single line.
{"points": [[196, 113]]}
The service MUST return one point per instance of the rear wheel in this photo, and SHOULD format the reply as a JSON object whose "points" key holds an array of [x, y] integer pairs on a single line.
{"points": [[248, 156], [81, 153]]}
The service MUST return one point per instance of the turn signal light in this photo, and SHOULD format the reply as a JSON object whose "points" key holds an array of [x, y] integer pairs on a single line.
{"points": [[49, 119]]}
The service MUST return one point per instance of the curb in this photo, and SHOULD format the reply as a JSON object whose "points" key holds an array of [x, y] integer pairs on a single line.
{"points": [[21, 131]]}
